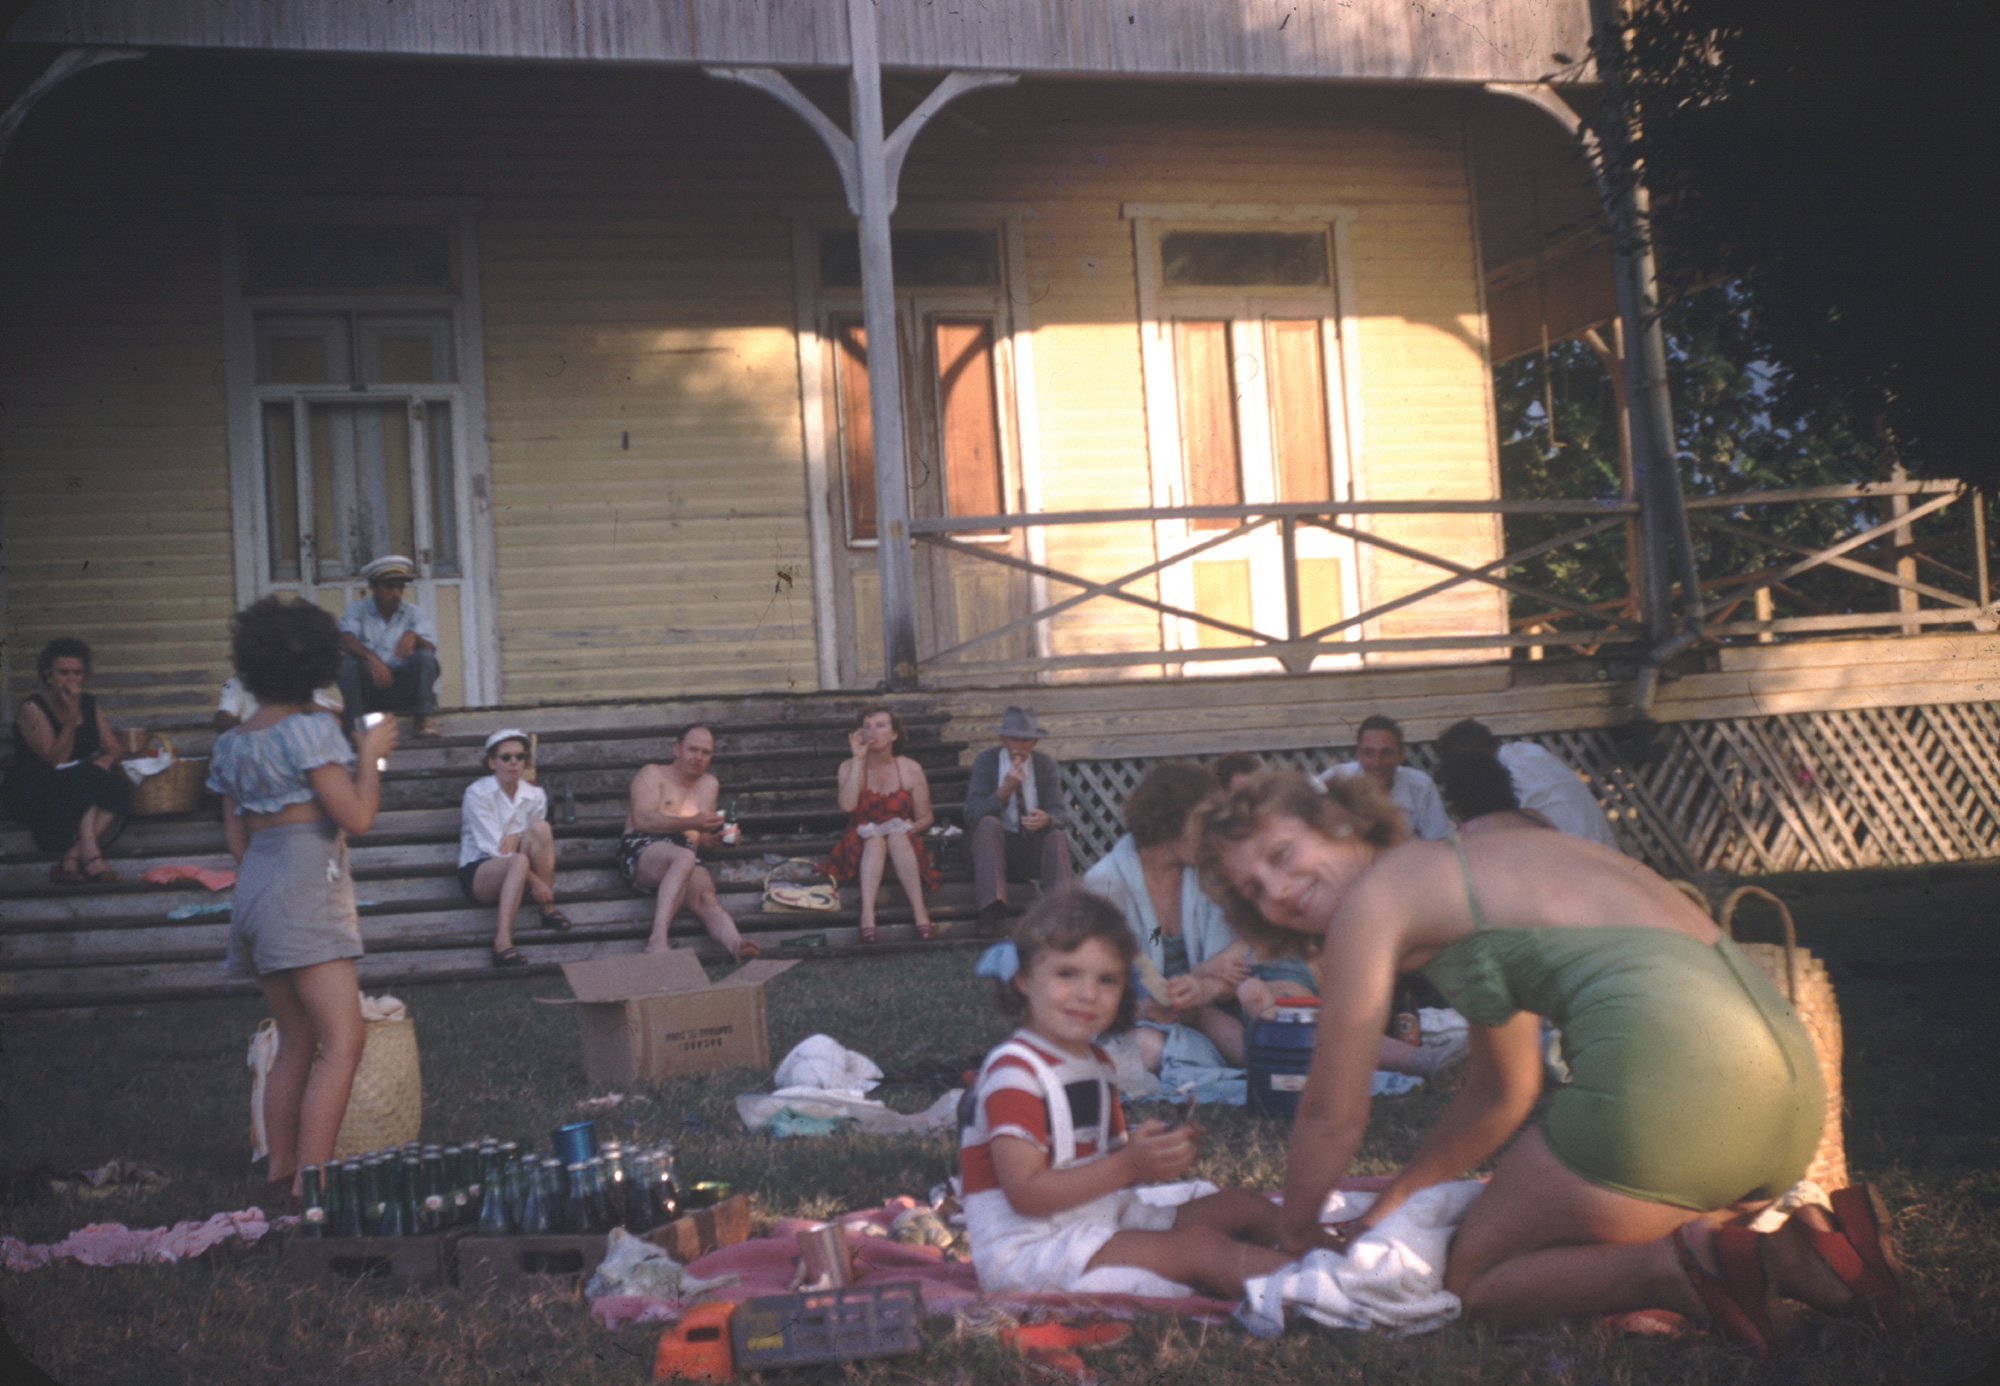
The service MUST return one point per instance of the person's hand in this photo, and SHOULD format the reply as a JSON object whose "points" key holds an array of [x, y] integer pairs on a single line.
{"points": [[407, 645], [379, 673], [1231, 967], [1157, 1152], [1184, 992], [373, 743], [710, 822], [1016, 774], [857, 743], [1034, 820]]}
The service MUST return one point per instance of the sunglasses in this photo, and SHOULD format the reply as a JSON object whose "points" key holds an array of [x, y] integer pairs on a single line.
{"points": [[512, 756]]}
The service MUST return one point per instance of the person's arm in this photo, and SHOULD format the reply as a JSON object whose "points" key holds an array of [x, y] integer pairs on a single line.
{"points": [[919, 786], [379, 673], [1150, 1155], [1504, 1077], [107, 740], [51, 742], [352, 800], [422, 634], [705, 822], [1361, 950], [1221, 974], [982, 791], [235, 832], [480, 811], [647, 800], [852, 773]]}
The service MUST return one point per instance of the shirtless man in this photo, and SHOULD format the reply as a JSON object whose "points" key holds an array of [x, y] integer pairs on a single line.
{"points": [[670, 816]]}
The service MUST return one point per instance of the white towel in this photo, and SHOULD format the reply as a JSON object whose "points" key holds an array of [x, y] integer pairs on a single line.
{"points": [[823, 1062], [1391, 1277]]}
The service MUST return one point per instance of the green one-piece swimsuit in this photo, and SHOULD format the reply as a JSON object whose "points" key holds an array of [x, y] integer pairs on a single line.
{"points": [[1693, 1081]]}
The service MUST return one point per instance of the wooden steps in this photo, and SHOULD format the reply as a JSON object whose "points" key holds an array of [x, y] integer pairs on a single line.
{"points": [[68, 946]]}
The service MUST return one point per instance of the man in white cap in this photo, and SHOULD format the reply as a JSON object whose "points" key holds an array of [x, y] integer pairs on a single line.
{"points": [[390, 646], [1378, 754], [1015, 816]]}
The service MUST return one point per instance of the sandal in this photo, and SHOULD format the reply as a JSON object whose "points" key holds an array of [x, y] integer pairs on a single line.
{"points": [[553, 918], [928, 929], [1858, 1252], [96, 870], [66, 872], [508, 957], [747, 949], [1739, 1302], [866, 932]]}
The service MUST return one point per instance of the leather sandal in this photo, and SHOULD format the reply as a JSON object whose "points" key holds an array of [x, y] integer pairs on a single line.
{"points": [[1859, 1253], [97, 870], [1739, 1302], [508, 957], [67, 872], [866, 933], [553, 918]]}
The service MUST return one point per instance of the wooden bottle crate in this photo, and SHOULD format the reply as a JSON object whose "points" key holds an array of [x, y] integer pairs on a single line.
{"points": [[402, 1262]]}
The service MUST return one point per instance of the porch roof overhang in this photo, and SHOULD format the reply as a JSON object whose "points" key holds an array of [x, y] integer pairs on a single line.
{"points": [[1448, 41]]}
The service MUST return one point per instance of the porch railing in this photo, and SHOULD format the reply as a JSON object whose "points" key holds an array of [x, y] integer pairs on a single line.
{"points": [[1875, 552]]}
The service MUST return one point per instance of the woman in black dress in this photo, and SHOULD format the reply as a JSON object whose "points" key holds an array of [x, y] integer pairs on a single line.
{"points": [[63, 785]]}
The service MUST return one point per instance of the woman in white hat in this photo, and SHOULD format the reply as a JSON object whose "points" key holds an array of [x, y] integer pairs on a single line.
{"points": [[505, 846]]}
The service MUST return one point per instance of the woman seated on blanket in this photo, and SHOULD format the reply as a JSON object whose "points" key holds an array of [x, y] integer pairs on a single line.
{"points": [[505, 846], [887, 800], [1696, 1095], [1151, 875]]}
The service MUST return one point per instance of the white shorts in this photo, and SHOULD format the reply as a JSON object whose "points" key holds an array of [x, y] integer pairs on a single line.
{"points": [[1020, 1254]]}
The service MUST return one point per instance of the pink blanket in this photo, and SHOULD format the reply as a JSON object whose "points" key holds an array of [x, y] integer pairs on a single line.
{"points": [[115, 1244], [765, 1266], [182, 871]]}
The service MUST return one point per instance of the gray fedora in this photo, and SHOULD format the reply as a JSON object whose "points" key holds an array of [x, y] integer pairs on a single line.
{"points": [[1020, 723]]}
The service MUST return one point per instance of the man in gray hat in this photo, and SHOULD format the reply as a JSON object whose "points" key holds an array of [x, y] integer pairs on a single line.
{"points": [[390, 648], [1015, 816]]}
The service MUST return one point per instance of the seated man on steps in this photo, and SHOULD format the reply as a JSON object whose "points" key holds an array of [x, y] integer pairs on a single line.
{"points": [[1379, 754], [389, 648], [1015, 816], [669, 817]]}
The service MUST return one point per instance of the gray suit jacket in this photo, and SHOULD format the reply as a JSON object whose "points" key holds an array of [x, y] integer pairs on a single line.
{"points": [[982, 795]]}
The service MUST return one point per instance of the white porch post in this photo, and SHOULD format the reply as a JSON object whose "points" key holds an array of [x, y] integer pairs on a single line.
{"points": [[885, 371]]}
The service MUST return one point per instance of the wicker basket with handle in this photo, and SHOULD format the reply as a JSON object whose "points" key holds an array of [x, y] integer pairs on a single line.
{"points": [[386, 1104], [176, 789], [1802, 978]]}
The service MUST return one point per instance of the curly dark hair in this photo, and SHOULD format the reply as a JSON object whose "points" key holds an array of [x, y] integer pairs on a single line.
{"points": [[1063, 921], [895, 725], [1349, 807], [283, 650], [1227, 768], [1157, 809], [62, 647]]}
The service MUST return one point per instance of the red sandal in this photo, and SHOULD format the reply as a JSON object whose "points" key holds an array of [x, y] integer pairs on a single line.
{"points": [[1858, 1251], [1739, 1302]]}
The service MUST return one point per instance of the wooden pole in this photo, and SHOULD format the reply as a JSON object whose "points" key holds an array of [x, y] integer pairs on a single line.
{"points": [[885, 371]]}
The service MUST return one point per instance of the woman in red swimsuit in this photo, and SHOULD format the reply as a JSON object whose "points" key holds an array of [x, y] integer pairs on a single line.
{"points": [[888, 803]]}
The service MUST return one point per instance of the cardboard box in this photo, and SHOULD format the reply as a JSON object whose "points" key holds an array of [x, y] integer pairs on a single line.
{"points": [[648, 1016]]}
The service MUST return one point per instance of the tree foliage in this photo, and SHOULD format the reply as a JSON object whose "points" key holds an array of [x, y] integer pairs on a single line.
{"points": [[1828, 158]]}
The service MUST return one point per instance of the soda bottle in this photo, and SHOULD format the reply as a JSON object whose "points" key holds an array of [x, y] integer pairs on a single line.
{"points": [[666, 1188], [493, 1210], [406, 1193], [568, 805], [615, 1182], [433, 1198], [394, 1220], [577, 1215], [640, 1214], [732, 831], [373, 1205], [351, 1213], [312, 1215], [454, 1187], [545, 1199]]}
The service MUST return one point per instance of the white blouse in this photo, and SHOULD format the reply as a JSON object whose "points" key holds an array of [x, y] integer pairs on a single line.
{"points": [[486, 815]]}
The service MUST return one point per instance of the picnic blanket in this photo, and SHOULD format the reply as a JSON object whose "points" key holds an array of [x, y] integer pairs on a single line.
{"points": [[115, 1244]]}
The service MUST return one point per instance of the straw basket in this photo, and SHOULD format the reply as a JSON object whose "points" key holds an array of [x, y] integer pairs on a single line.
{"points": [[386, 1105], [1802, 978], [176, 789]]}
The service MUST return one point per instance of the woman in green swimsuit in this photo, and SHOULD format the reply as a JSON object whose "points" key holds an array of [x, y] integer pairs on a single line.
{"points": [[1695, 1097]]}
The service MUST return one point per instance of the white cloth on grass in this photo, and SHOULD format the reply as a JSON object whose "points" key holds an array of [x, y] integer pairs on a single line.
{"points": [[1391, 1277]]}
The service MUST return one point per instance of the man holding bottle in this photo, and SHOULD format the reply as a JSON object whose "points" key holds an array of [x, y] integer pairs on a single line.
{"points": [[670, 818]]}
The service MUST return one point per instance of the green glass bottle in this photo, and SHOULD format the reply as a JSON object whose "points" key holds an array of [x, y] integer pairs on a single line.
{"points": [[312, 1214], [394, 1221], [433, 1198], [406, 1192], [456, 1197], [349, 1220], [373, 1205]]}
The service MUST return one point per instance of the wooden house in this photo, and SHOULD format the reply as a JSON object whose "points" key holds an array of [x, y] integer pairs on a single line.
{"points": [[533, 293]]}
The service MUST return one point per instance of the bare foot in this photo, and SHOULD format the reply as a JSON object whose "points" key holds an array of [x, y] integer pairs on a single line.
{"points": [[747, 949], [658, 945]]}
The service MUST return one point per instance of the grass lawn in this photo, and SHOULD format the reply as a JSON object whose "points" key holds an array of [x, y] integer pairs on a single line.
{"points": [[1915, 955]]}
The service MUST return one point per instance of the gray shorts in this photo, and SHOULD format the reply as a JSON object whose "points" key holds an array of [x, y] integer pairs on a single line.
{"points": [[294, 903]]}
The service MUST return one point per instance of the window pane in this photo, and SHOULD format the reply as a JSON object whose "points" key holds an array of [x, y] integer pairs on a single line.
{"points": [[1320, 600], [918, 259], [444, 489], [361, 485], [297, 359], [408, 359], [1207, 387], [297, 259], [281, 493], [1222, 590], [969, 418], [1296, 378], [1235, 259], [857, 429]]}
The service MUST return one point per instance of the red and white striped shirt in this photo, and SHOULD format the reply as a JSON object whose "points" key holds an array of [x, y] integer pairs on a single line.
{"points": [[1017, 1086]]}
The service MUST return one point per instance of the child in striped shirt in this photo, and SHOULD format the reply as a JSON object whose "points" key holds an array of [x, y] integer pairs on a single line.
{"points": [[1050, 1173]]}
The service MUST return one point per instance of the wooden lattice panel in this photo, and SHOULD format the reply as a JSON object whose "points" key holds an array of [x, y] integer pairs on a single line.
{"points": [[1824, 791]]}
